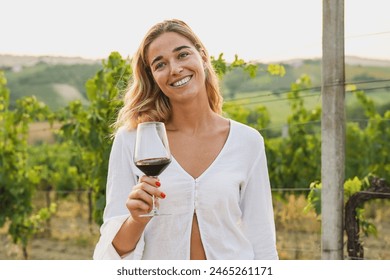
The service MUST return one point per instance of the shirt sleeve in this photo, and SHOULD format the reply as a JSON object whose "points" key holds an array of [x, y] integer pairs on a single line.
{"points": [[257, 209], [104, 249], [120, 180]]}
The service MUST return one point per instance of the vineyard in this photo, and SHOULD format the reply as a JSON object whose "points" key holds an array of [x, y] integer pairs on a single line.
{"points": [[72, 237], [52, 191]]}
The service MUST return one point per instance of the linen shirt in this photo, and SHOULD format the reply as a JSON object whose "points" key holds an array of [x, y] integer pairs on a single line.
{"points": [[231, 198]]}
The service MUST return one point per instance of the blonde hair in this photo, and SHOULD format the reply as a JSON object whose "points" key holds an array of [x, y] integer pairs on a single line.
{"points": [[144, 101]]}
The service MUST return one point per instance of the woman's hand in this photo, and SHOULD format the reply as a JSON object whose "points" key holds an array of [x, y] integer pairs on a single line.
{"points": [[140, 198]]}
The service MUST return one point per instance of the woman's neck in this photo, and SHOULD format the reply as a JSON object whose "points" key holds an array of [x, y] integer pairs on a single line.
{"points": [[192, 119]]}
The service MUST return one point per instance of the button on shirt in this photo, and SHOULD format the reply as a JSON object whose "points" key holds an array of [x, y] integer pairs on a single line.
{"points": [[231, 198]]}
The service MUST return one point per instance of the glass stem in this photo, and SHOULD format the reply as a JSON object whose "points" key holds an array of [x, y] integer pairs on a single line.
{"points": [[154, 210]]}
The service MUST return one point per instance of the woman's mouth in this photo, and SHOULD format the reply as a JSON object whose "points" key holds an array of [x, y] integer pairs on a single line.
{"points": [[181, 82]]}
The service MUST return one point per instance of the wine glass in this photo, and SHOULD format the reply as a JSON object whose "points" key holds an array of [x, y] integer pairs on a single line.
{"points": [[152, 154]]}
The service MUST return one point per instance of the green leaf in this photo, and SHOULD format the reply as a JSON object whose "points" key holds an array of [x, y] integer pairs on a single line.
{"points": [[276, 70]]}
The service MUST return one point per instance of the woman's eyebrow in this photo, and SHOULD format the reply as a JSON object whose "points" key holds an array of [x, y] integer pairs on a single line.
{"points": [[180, 48], [156, 59], [174, 50]]}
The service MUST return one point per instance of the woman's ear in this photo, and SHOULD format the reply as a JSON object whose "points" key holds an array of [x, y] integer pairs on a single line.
{"points": [[204, 58], [204, 55]]}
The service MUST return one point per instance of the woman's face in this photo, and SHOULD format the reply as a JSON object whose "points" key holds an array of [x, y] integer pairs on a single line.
{"points": [[177, 67]]}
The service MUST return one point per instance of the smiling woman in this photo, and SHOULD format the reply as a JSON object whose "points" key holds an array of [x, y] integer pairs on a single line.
{"points": [[217, 191], [145, 99], [178, 72]]}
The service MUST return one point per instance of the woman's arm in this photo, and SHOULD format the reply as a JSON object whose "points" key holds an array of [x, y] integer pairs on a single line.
{"points": [[139, 202], [257, 209]]}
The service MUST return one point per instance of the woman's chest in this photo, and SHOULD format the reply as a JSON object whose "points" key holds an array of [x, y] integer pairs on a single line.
{"points": [[196, 154]]}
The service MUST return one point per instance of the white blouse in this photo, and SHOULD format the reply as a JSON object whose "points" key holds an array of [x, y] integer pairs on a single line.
{"points": [[232, 201]]}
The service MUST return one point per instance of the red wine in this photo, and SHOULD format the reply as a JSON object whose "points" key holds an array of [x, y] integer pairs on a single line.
{"points": [[153, 166]]}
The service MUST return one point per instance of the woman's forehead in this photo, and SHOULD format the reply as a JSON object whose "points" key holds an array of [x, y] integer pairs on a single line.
{"points": [[167, 43]]}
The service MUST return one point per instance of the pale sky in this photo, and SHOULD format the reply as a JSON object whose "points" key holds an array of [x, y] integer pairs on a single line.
{"points": [[264, 30]]}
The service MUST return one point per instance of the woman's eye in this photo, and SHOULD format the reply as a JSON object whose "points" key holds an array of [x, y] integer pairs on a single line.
{"points": [[159, 65], [183, 54]]}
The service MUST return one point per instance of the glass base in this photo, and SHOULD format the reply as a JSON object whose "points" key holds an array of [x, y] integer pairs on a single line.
{"points": [[154, 213]]}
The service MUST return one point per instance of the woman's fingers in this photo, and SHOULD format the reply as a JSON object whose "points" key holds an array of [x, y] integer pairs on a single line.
{"points": [[140, 198], [151, 186], [153, 181]]}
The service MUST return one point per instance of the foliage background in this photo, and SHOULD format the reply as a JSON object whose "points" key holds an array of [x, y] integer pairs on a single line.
{"points": [[281, 101]]}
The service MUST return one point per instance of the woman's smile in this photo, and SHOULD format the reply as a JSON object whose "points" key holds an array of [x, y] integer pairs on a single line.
{"points": [[182, 82]]}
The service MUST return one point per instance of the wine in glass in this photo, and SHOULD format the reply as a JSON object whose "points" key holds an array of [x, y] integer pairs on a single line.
{"points": [[152, 154]]}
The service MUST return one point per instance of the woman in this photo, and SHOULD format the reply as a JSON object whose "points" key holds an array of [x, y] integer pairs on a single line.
{"points": [[217, 186]]}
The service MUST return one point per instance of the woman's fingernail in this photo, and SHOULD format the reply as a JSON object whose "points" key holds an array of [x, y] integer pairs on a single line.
{"points": [[158, 184], [163, 195]]}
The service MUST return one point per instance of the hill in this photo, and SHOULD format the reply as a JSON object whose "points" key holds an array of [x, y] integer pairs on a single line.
{"points": [[53, 80], [10, 61], [356, 70], [58, 80], [372, 76]]}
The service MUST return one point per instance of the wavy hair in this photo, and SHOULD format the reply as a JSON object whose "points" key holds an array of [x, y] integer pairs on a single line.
{"points": [[144, 100]]}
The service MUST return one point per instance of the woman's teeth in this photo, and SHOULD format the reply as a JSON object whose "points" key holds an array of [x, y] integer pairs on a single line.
{"points": [[182, 82]]}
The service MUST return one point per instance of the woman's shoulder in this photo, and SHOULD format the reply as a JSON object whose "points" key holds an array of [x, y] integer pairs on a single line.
{"points": [[124, 133], [244, 131], [246, 140]]}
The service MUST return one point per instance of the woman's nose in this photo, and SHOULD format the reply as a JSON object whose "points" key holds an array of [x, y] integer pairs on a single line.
{"points": [[176, 68]]}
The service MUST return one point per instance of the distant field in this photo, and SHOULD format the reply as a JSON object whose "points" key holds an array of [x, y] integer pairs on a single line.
{"points": [[69, 93], [279, 107], [58, 80], [54, 84], [42, 132]]}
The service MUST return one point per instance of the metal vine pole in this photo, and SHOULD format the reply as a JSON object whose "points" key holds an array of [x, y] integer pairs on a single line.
{"points": [[332, 129]]}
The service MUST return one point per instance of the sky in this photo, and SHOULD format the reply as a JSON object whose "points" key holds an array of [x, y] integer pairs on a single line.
{"points": [[262, 30]]}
